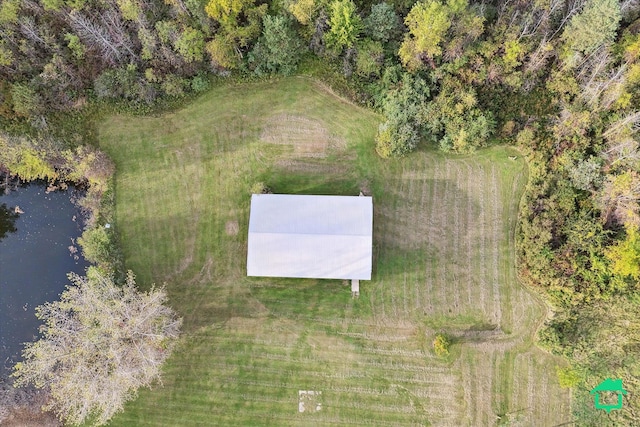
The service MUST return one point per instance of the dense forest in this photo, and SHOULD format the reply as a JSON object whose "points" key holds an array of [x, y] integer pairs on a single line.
{"points": [[559, 79]]}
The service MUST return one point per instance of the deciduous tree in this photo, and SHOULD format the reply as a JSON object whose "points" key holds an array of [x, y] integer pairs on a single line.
{"points": [[382, 23], [625, 255], [428, 23], [100, 343], [223, 52], [190, 44], [594, 26], [404, 109], [370, 58], [279, 48], [619, 199], [226, 11], [586, 174], [25, 99], [9, 11], [345, 25], [304, 11]]}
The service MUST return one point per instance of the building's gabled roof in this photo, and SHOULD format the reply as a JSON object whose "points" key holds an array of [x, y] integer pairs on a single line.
{"points": [[322, 237], [609, 385]]}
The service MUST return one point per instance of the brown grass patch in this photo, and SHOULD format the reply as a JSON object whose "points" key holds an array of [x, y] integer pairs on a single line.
{"points": [[232, 228], [307, 137], [205, 275]]}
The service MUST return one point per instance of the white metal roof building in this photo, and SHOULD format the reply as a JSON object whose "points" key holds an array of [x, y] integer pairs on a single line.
{"points": [[321, 237]]}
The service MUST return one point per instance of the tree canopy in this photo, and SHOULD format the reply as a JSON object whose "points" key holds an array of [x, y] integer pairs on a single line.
{"points": [[428, 23], [345, 25], [278, 50], [594, 26], [100, 343]]}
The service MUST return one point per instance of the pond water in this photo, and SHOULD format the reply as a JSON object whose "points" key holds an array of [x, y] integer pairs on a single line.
{"points": [[36, 253]]}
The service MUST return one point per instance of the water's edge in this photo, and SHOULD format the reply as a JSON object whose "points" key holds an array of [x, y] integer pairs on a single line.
{"points": [[38, 248]]}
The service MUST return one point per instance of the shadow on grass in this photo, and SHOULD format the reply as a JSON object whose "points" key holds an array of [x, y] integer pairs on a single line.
{"points": [[302, 298]]}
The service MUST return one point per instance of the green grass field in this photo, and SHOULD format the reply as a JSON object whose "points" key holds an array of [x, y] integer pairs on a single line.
{"points": [[444, 262]]}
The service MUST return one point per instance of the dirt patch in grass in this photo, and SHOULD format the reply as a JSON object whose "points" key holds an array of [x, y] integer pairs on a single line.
{"points": [[307, 137], [232, 228], [309, 401]]}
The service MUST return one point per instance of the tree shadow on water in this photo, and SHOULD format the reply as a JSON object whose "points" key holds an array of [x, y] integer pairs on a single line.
{"points": [[7, 220]]}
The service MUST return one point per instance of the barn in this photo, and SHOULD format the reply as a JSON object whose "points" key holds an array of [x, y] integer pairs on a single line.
{"points": [[308, 236]]}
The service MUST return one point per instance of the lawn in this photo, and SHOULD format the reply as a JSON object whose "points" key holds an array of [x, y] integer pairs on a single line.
{"points": [[444, 262]]}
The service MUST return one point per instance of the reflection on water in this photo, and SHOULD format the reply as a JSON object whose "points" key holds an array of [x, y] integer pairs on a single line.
{"points": [[7, 220], [37, 250]]}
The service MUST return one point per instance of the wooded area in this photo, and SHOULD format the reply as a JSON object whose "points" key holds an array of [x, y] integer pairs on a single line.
{"points": [[558, 79]]}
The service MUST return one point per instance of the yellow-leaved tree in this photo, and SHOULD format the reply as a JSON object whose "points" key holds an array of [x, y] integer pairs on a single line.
{"points": [[428, 23]]}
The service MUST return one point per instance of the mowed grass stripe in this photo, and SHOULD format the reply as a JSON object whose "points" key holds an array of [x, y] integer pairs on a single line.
{"points": [[470, 280], [482, 238], [459, 278], [443, 232], [432, 264], [497, 236], [444, 285]]}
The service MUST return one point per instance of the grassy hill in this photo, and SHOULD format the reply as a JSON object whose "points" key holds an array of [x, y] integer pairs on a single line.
{"points": [[444, 262]]}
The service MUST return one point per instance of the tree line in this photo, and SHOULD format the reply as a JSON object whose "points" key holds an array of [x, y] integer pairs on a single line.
{"points": [[559, 79]]}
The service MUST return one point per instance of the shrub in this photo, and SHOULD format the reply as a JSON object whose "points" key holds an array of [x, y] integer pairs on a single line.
{"points": [[396, 138], [90, 164], [96, 245], [190, 44], [384, 140], [441, 345], [260, 188], [199, 84], [404, 110], [25, 99], [455, 118], [568, 377], [173, 85], [75, 45], [106, 85], [33, 165], [118, 83], [369, 60], [463, 134]]}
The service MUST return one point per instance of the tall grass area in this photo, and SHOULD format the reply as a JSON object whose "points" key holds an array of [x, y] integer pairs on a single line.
{"points": [[444, 263]]}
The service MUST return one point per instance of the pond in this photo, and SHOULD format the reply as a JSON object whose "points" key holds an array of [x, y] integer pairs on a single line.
{"points": [[38, 247]]}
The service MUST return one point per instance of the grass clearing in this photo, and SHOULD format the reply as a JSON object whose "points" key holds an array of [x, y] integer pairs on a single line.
{"points": [[444, 261]]}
